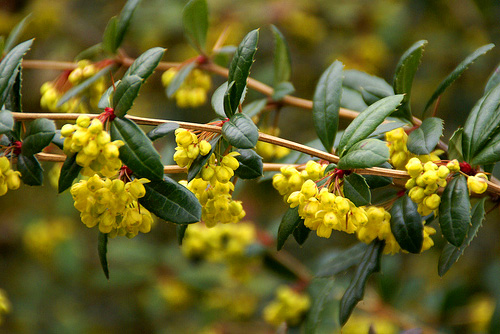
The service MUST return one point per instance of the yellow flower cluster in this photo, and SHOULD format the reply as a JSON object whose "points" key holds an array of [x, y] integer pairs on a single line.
{"points": [[477, 183], [236, 302], [112, 205], [270, 151], [189, 147], [52, 91], [378, 226], [290, 179], [425, 182], [175, 293], [95, 151], [193, 91], [289, 306], [9, 179], [42, 237], [4, 305]]}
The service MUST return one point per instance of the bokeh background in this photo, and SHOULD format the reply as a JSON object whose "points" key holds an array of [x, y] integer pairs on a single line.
{"points": [[49, 267]]}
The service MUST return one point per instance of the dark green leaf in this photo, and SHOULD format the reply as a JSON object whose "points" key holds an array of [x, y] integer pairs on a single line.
{"points": [[352, 99], [356, 189], [239, 70], [314, 317], [289, 223], [469, 128], [373, 94], [326, 104], [220, 100], [102, 250], [162, 130], [457, 72], [406, 224], [494, 325], [15, 33], [6, 121], [450, 253], [58, 140], [69, 171], [228, 107], [83, 86], [282, 59], [179, 78], [493, 81], [489, 154], [201, 160], [301, 233], [180, 230], [195, 21], [370, 263], [146, 63], [31, 170], [454, 211], [367, 121], [251, 166], [359, 81], [171, 201], [240, 131], [364, 154], [124, 21], [255, 107], [105, 100], [109, 36], [343, 261], [424, 139], [14, 100], [455, 146], [375, 181], [9, 67], [138, 152], [125, 94], [403, 78], [39, 135], [282, 89], [92, 52]]}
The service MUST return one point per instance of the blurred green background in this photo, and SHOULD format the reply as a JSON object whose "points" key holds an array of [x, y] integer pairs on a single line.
{"points": [[48, 259]]}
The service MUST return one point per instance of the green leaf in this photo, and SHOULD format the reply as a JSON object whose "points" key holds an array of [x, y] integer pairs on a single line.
{"points": [[370, 263], [326, 104], [373, 94], [102, 250], [195, 22], [15, 33], [314, 317], [201, 160], [455, 146], [6, 121], [343, 261], [171, 201], [69, 171], [179, 78], [58, 140], [367, 121], [162, 130], [450, 253], [301, 233], [403, 78], [14, 99], [489, 154], [138, 152], [454, 211], [31, 170], [494, 325], [109, 36], [125, 94], [105, 100], [92, 52], [289, 223], [352, 99], [239, 69], [180, 230], [469, 128], [359, 81], [406, 224], [282, 59], [356, 189], [39, 135], [375, 181], [424, 139], [146, 63], [251, 166], [240, 131], [124, 21], [364, 154], [9, 67], [74, 91], [493, 80], [281, 90], [457, 72], [254, 107], [220, 100]]}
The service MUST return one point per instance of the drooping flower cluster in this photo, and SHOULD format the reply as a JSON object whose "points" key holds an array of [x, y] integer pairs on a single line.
{"points": [[289, 306], [189, 147], [112, 205], [270, 151], [9, 179], [193, 91], [290, 179], [52, 91], [378, 226], [96, 153]]}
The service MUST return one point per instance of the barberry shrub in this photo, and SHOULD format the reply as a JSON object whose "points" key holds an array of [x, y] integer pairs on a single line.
{"points": [[389, 179]]}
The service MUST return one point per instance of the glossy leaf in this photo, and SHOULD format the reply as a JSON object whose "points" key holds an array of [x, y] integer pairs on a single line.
{"points": [[146, 63], [403, 78], [138, 153], [171, 201], [31, 170], [373, 94], [367, 121], [326, 104], [289, 223], [352, 99], [489, 154], [220, 98], [455, 146], [493, 80], [179, 78], [6, 121], [457, 72], [251, 166], [375, 181], [469, 128], [109, 36], [105, 100], [282, 60], [344, 260], [201, 160], [69, 171], [281, 90], [9, 67], [162, 130], [195, 21], [370, 263], [454, 211], [124, 21], [424, 139], [364, 154], [359, 81], [15, 33], [406, 224], [240, 131], [301, 233], [14, 101], [319, 301], [450, 253], [254, 107], [58, 140], [39, 135], [125, 94], [239, 69], [180, 230], [102, 250], [356, 189]]}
